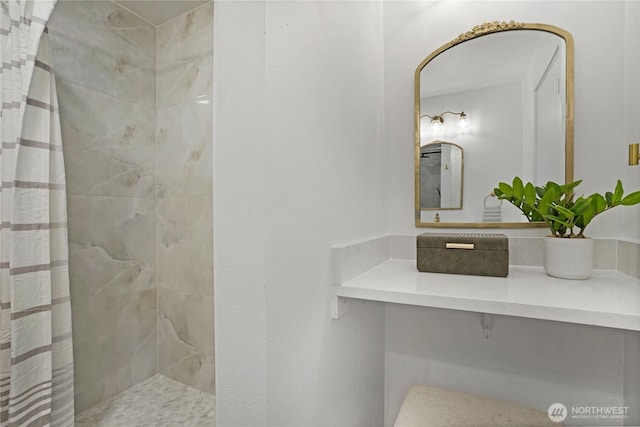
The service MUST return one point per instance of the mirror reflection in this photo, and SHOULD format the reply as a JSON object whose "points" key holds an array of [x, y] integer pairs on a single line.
{"points": [[441, 176], [505, 97]]}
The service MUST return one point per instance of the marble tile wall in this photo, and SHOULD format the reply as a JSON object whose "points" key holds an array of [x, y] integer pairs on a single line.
{"points": [[137, 133], [184, 242], [105, 65]]}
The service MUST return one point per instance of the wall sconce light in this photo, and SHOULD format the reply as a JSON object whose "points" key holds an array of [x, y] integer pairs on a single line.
{"points": [[634, 154], [437, 122]]}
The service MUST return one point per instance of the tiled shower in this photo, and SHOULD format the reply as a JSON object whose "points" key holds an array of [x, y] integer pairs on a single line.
{"points": [[136, 112]]}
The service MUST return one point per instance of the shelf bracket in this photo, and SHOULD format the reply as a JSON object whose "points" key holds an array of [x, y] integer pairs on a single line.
{"points": [[339, 306], [487, 320]]}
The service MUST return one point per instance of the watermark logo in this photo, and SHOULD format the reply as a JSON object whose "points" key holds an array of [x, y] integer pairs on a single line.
{"points": [[557, 412]]}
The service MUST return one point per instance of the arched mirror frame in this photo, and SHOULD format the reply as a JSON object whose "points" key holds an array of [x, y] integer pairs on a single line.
{"points": [[479, 31]]}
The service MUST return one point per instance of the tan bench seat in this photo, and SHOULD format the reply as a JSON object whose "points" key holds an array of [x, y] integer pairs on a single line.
{"points": [[426, 406]]}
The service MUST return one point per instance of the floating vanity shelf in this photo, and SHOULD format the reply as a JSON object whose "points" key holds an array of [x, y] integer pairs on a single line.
{"points": [[609, 298]]}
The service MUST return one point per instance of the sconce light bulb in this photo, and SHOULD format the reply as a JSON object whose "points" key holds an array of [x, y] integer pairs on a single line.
{"points": [[463, 123], [437, 123]]}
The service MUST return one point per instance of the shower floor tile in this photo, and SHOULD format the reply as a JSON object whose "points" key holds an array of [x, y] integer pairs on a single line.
{"points": [[156, 402]]}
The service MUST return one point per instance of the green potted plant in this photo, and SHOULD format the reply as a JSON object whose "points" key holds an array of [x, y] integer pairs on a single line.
{"points": [[567, 253]]}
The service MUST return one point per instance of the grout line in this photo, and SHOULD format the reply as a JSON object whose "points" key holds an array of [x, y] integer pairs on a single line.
{"points": [[184, 13], [156, 219], [162, 23], [103, 93], [134, 14]]}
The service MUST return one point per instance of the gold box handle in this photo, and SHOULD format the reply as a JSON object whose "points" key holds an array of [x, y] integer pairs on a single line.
{"points": [[460, 246]]}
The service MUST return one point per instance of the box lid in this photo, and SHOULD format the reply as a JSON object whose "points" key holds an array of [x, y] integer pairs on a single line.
{"points": [[486, 241]]}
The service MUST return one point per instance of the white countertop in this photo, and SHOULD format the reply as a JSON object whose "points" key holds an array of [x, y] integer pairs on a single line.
{"points": [[608, 298]]}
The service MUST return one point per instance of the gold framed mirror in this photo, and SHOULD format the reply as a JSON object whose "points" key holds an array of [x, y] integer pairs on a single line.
{"points": [[503, 93]]}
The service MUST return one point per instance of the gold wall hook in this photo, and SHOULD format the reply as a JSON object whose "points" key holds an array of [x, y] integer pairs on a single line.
{"points": [[634, 154]]}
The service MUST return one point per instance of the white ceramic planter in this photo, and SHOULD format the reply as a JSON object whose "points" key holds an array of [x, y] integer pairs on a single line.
{"points": [[568, 258]]}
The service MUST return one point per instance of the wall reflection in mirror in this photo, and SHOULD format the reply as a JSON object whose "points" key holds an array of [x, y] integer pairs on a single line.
{"points": [[516, 87]]}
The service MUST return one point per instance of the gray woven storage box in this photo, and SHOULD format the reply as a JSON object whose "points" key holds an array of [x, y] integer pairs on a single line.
{"points": [[463, 253]]}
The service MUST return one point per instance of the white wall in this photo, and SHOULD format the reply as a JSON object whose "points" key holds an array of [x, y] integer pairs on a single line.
{"points": [[298, 168], [631, 104], [530, 361], [239, 212], [323, 186], [632, 174]]}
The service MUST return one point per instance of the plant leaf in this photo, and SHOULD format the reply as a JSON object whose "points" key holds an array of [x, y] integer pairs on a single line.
{"points": [[556, 187], [545, 202], [609, 198], [617, 193], [631, 199], [568, 188], [557, 222], [506, 190], [534, 217], [518, 188], [567, 213], [530, 194], [598, 202], [581, 205], [584, 212], [583, 220]]}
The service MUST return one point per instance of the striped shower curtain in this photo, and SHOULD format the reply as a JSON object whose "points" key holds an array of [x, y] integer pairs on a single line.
{"points": [[36, 358]]}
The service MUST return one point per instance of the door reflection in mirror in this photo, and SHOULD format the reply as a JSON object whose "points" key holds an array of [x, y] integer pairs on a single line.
{"points": [[441, 176]]}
